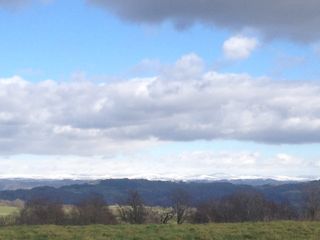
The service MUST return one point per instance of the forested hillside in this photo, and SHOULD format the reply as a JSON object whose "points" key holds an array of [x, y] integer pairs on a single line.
{"points": [[157, 192]]}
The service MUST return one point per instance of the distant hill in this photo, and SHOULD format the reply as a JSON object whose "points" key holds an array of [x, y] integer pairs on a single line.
{"points": [[29, 183], [252, 182], [260, 182], [156, 192]]}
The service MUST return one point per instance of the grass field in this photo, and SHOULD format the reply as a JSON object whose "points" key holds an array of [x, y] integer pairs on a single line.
{"points": [[7, 210], [273, 231]]}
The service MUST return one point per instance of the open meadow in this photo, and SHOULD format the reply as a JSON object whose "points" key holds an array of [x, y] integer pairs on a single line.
{"points": [[7, 210], [283, 230]]}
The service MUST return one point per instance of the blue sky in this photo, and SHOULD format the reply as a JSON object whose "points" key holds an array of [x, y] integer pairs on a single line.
{"points": [[60, 38], [90, 83]]}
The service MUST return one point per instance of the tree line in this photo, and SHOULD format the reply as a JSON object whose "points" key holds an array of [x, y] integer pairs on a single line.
{"points": [[240, 206]]}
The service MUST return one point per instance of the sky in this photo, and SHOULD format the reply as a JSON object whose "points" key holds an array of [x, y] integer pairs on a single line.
{"points": [[180, 89]]}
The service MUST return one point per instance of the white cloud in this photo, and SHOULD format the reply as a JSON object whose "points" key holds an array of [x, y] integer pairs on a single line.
{"points": [[188, 67], [239, 47], [184, 165], [287, 160], [183, 103]]}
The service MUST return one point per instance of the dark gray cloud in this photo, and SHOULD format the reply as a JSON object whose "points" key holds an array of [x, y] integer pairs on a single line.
{"points": [[294, 19]]}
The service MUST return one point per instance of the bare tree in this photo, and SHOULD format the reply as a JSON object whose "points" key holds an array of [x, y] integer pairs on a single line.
{"points": [[133, 211], [312, 201], [42, 211], [206, 212], [181, 203], [93, 210], [243, 206], [246, 206], [166, 216]]}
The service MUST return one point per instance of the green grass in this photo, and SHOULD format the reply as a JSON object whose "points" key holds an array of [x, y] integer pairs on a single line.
{"points": [[264, 231], [7, 210]]}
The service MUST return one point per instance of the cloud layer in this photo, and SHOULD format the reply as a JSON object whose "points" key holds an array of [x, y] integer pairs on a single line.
{"points": [[294, 19], [185, 165], [182, 103]]}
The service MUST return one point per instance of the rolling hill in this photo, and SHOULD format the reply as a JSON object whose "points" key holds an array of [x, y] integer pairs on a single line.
{"points": [[157, 193]]}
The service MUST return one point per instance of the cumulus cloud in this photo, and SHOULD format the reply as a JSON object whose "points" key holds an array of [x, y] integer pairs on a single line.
{"points": [[180, 104], [239, 47], [294, 19]]}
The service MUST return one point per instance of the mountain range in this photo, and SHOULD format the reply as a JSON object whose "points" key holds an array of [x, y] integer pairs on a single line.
{"points": [[155, 193]]}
